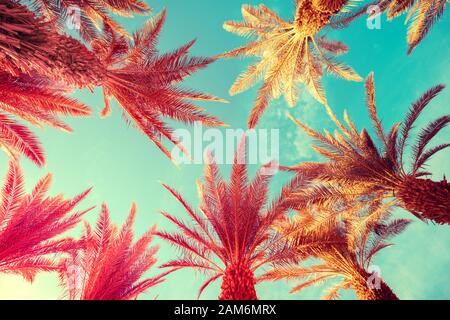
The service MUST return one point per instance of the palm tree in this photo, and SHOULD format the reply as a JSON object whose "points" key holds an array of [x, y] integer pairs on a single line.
{"points": [[350, 240], [38, 102], [30, 226], [144, 82], [110, 265], [88, 16], [289, 52], [230, 238], [357, 167]]}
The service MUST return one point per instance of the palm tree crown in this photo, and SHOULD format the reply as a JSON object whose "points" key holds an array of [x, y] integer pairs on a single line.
{"points": [[230, 238], [28, 51], [289, 52], [358, 167]]}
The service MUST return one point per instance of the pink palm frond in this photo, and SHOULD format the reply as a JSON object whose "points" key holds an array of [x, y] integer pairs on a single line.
{"points": [[146, 83], [88, 16], [30, 223], [110, 266]]}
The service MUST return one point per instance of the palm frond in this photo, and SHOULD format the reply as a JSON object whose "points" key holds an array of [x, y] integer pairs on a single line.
{"points": [[16, 139], [110, 265], [145, 83], [30, 222], [414, 113], [425, 137], [87, 17], [347, 239], [424, 14]]}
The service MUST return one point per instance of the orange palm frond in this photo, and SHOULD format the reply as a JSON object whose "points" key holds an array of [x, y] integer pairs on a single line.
{"points": [[110, 266], [357, 11], [289, 52], [30, 224], [421, 16], [414, 113], [346, 243]]}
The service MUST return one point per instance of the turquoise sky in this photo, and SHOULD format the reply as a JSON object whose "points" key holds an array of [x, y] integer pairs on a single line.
{"points": [[124, 166]]}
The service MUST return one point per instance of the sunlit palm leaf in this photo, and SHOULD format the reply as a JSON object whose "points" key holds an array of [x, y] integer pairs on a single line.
{"points": [[289, 52]]}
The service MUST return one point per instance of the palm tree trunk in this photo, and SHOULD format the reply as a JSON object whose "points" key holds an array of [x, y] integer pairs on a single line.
{"points": [[238, 284], [74, 64], [377, 292], [310, 17], [329, 6], [426, 198]]}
